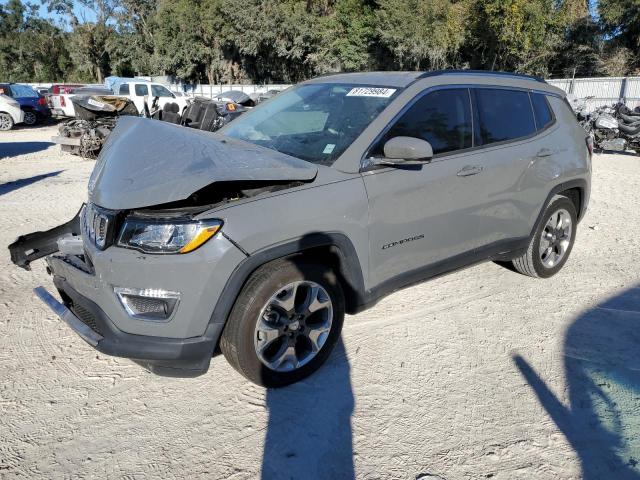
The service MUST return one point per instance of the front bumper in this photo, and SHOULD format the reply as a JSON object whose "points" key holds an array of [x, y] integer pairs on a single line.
{"points": [[176, 357]]}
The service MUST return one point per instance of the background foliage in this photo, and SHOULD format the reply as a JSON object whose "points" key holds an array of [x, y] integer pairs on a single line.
{"points": [[220, 41]]}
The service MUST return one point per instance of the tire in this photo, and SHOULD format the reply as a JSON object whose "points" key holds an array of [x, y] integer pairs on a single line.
{"points": [[262, 330], [557, 242], [30, 118], [6, 122]]}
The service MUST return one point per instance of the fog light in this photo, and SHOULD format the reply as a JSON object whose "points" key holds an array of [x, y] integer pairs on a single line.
{"points": [[148, 304]]}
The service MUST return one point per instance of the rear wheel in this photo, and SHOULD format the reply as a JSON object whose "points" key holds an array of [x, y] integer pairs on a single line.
{"points": [[6, 122], [552, 242], [30, 118], [284, 323]]}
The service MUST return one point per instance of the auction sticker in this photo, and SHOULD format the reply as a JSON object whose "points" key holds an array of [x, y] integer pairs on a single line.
{"points": [[371, 92]]}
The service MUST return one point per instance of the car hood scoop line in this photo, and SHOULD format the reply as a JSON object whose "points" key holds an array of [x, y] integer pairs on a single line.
{"points": [[147, 162]]}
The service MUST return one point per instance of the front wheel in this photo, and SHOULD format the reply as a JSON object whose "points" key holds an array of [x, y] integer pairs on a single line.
{"points": [[552, 242], [285, 322]]}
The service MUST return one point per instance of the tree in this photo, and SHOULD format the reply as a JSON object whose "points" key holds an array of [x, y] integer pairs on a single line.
{"points": [[620, 20], [31, 48], [422, 34]]}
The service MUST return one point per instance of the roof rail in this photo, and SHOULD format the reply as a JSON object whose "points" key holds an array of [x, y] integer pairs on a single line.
{"points": [[488, 73]]}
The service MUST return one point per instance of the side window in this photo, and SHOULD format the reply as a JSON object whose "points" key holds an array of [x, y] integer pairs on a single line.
{"points": [[141, 90], [442, 118], [124, 89], [542, 111], [503, 115]]}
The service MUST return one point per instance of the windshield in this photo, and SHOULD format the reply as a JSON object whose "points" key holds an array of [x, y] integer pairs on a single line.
{"points": [[315, 122], [23, 91]]}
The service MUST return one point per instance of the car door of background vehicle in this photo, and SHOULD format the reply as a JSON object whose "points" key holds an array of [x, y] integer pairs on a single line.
{"points": [[425, 214], [164, 95]]}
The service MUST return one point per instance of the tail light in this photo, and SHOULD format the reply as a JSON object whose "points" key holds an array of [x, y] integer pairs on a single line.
{"points": [[589, 141], [42, 101], [63, 103], [56, 89]]}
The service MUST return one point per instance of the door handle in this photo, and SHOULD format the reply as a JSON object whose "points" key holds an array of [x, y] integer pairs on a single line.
{"points": [[545, 152], [469, 170]]}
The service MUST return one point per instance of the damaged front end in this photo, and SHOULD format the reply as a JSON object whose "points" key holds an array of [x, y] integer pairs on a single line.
{"points": [[141, 266], [33, 246]]}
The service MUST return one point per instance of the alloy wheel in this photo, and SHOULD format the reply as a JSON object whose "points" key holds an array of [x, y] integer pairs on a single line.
{"points": [[5, 121], [555, 238], [293, 326], [30, 118]]}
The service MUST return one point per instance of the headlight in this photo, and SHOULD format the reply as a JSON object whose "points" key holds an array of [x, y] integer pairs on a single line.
{"points": [[166, 236]]}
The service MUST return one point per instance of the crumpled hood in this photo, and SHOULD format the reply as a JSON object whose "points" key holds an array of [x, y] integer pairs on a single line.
{"points": [[149, 162]]}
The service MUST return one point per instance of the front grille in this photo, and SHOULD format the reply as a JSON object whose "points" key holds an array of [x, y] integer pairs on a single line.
{"points": [[86, 317], [98, 225]]}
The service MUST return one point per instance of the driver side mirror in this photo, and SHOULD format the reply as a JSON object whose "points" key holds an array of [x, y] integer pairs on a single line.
{"points": [[400, 151]]}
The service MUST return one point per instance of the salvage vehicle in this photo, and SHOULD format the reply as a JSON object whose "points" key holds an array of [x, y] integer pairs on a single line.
{"points": [[33, 104], [10, 112], [256, 240], [96, 117]]}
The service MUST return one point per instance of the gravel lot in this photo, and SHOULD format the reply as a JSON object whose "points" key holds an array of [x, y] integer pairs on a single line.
{"points": [[480, 374]]}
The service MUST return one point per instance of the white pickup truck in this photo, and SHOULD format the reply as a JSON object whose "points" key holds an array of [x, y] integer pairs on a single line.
{"points": [[136, 91], [59, 100]]}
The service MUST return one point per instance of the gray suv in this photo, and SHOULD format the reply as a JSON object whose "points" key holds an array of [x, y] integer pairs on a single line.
{"points": [[256, 240]]}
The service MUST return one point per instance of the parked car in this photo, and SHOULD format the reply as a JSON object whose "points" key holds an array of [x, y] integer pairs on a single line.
{"points": [[264, 96], [33, 104], [10, 112], [259, 238], [236, 96], [59, 99]]}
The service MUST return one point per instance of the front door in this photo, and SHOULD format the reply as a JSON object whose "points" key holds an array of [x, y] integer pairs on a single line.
{"points": [[425, 214]]}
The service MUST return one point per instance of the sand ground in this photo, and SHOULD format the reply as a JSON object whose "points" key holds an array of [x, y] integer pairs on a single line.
{"points": [[483, 373]]}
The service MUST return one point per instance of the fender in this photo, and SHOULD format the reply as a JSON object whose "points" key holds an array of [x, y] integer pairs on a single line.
{"points": [[350, 269], [577, 183]]}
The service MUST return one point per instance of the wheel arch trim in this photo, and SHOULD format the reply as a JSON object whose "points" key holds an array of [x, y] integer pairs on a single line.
{"points": [[350, 270], [579, 183]]}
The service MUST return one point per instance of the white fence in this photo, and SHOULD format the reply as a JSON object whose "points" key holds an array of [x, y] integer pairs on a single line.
{"points": [[604, 91]]}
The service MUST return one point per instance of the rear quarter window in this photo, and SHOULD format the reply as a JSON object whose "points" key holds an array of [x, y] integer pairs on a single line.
{"points": [[124, 89], [542, 111], [503, 115]]}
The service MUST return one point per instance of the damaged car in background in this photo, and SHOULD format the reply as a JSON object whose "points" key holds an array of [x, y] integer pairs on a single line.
{"points": [[97, 112], [257, 239]]}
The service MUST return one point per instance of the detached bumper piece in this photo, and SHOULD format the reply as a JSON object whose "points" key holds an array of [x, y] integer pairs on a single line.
{"points": [[173, 357], [83, 330]]}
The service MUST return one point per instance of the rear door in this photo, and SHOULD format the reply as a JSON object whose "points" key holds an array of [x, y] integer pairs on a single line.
{"points": [[420, 215], [509, 146]]}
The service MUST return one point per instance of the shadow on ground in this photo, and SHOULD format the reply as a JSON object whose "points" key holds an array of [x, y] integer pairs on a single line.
{"points": [[602, 369], [13, 149], [309, 431], [23, 182]]}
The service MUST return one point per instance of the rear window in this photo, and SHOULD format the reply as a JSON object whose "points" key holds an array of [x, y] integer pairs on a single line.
{"points": [[542, 111], [503, 115], [23, 91]]}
